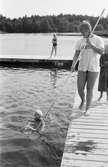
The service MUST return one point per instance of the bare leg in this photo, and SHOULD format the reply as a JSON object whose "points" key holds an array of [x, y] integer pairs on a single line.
{"points": [[55, 50], [91, 78], [52, 51], [107, 95], [81, 85], [101, 94]]}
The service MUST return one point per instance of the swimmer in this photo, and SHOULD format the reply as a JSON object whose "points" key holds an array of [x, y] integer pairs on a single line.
{"points": [[37, 124]]}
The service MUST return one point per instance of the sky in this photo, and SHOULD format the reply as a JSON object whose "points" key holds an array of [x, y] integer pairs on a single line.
{"points": [[20, 8]]}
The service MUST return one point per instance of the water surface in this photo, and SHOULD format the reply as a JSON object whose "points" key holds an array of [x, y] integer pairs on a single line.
{"points": [[22, 91]]}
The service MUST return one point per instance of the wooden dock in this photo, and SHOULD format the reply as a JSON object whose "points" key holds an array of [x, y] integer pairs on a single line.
{"points": [[36, 61], [87, 137]]}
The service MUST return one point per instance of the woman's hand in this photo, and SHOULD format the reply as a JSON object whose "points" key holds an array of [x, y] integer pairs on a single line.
{"points": [[92, 46], [88, 43]]}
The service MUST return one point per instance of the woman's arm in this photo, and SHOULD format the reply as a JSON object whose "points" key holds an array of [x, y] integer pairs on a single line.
{"points": [[96, 49]]}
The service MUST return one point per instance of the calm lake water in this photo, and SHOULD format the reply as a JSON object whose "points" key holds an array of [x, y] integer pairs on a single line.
{"points": [[23, 90], [36, 44]]}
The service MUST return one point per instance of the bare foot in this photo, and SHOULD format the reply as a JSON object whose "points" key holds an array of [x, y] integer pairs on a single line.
{"points": [[86, 110], [81, 106], [50, 57], [86, 113], [99, 99]]}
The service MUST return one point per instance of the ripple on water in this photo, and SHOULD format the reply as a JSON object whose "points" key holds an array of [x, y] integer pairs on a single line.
{"points": [[22, 91]]}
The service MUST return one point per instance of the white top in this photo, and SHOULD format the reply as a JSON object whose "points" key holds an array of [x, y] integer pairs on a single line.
{"points": [[89, 59]]}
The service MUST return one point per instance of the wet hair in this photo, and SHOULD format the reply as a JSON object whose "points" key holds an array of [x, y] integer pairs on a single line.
{"points": [[38, 112], [85, 24]]}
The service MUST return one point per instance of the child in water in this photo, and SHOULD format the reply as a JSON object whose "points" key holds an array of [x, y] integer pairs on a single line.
{"points": [[37, 124]]}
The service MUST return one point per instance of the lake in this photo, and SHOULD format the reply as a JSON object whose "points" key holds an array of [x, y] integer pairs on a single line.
{"points": [[36, 44], [23, 90]]}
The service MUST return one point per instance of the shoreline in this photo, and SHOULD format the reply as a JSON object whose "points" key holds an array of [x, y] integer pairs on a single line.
{"points": [[100, 33]]}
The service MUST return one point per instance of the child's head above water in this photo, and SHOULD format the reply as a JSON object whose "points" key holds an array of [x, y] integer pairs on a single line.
{"points": [[38, 114]]}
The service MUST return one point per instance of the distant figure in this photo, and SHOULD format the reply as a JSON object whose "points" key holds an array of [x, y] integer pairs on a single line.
{"points": [[54, 45], [88, 49], [103, 78], [37, 124]]}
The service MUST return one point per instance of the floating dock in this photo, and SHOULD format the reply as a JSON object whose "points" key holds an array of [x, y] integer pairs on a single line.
{"points": [[35, 61], [87, 137]]}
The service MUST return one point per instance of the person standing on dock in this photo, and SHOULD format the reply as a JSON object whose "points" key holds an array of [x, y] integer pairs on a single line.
{"points": [[103, 77], [54, 45], [88, 48]]}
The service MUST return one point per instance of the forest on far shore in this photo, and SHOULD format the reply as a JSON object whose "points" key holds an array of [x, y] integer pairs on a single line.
{"points": [[45, 24]]}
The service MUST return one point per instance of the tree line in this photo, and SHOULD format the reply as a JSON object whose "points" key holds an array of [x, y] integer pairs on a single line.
{"points": [[49, 23]]}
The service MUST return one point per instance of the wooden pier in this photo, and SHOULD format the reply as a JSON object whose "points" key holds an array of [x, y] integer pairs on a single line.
{"points": [[35, 61], [87, 137]]}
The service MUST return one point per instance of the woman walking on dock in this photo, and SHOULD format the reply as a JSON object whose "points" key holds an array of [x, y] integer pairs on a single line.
{"points": [[88, 49]]}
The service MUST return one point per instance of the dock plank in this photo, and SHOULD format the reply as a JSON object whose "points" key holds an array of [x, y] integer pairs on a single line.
{"points": [[41, 61], [80, 163], [86, 143]]}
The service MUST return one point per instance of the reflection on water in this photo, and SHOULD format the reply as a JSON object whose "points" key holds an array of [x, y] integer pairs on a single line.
{"points": [[22, 91], [53, 76]]}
